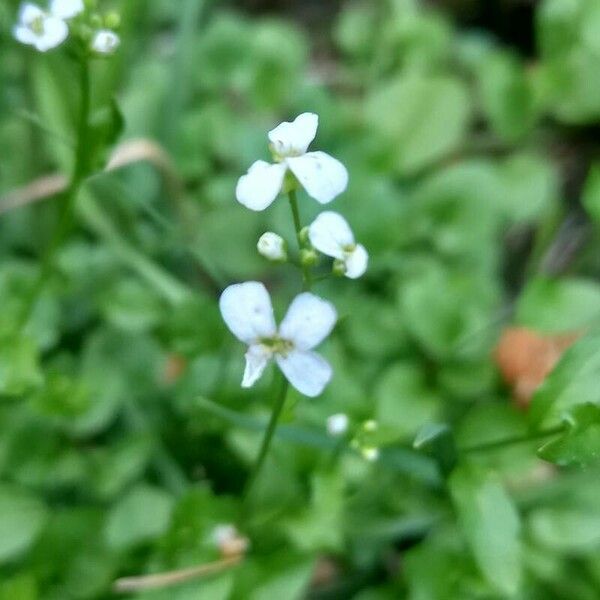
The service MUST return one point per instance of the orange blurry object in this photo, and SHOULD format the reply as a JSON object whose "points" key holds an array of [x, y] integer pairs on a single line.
{"points": [[525, 357]]}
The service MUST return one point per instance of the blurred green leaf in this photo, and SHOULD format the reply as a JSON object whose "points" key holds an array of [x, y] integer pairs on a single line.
{"points": [[22, 517], [419, 120], [491, 526], [573, 382], [591, 194], [141, 516], [19, 366], [559, 305]]}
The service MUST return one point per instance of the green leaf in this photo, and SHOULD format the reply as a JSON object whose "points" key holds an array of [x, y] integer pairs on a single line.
{"points": [[20, 587], [566, 530], [491, 525], [291, 583], [419, 119], [404, 402], [19, 366], [507, 96], [591, 194], [22, 517], [559, 305], [139, 517], [580, 446], [574, 381]]}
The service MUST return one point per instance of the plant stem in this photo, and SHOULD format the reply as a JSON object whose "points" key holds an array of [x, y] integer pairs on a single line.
{"points": [[267, 439], [306, 273], [518, 439], [68, 197]]}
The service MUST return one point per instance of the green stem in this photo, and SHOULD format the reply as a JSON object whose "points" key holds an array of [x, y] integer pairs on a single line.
{"points": [[306, 272], [517, 439], [267, 439], [68, 198]]}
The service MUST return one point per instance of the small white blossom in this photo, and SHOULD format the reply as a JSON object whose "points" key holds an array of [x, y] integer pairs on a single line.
{"points": [[370, 453], [248, 312], [105, 41], [66, 9], [39, 29], [228, 540], [322, 176], [337, 424], [272, 246], [330, 234]]}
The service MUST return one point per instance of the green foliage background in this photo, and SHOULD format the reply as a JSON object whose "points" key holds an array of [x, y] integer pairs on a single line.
{"points": [[475, 185]]}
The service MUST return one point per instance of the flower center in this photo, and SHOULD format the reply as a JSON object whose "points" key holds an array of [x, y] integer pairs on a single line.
{"points": [[278, 345], [37, 25]]}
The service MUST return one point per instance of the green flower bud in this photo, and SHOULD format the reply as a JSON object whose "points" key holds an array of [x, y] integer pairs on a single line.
{"points": [[308, 258]]}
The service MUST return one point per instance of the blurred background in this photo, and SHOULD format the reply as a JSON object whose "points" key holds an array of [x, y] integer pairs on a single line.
{"points": [[470, 132]]}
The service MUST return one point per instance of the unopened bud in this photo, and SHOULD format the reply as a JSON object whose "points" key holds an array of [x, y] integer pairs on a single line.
{"points": [[304, 235], [339, 268], [272, 247], [308, 258], [370, 425], [337, 424], [370, 453], [112, 20]]}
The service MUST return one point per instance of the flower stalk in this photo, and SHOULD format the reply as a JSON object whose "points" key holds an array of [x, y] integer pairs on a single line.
{"points": [[306, 268], [67, 199]]}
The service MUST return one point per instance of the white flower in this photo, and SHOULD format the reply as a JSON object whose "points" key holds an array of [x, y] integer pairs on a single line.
{"points": [[105, 41], [39, 29], [272, 246], [66, 9], [322, 176], [330, 234], [247, 311], [337, 424]]}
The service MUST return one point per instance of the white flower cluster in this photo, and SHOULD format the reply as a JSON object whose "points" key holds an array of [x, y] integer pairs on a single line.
{"points": [[246, 307], [47, 29]]}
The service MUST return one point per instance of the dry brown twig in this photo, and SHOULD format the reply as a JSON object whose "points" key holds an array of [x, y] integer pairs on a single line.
{"points": [[127, 153]]}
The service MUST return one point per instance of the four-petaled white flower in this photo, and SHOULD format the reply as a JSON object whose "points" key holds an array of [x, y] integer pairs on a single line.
{"points": [[272, 246], [105, 41], [322, 176], [337, 424], [330, 234], [39, 29], [66, 9], [247, 311]]}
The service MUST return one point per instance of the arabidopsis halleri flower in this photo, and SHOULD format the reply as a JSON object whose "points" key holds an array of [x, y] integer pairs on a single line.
{"points": [[322, 176], [39, 29], [66, 9], [330, 234], [337, 424], [105, 41], [272, 246], [248, 312]]}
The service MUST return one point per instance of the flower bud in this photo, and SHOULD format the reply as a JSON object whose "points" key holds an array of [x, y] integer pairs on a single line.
{"points": [[105, 41], [308, 258], [370, 425], [112, 20], [304, 235], [339, 268], [272, 247], [337, 424], [370, 453]]}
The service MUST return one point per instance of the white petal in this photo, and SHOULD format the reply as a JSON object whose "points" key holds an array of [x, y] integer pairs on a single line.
{"points": [[292, 139], [261, 185], [257, 358], [356, 262], [66, 9], [29, 12], [329, 233], [24, 35], [55, 33], [322, 176], [105, 41], [247, 311], [308, 321], [337, 424], [308, 372]]}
